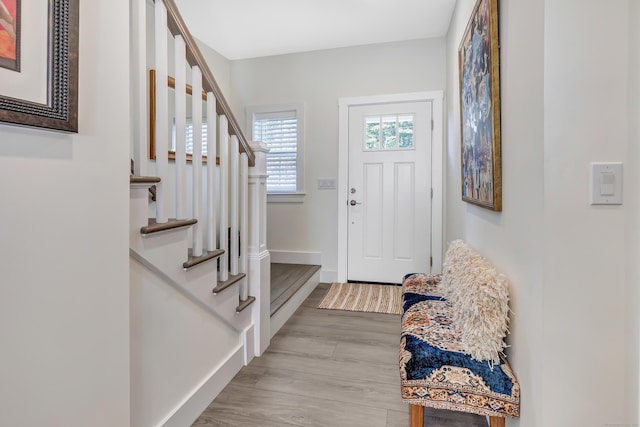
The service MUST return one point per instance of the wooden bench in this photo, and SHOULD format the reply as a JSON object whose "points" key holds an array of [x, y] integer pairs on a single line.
{"points": [[440, 366]]}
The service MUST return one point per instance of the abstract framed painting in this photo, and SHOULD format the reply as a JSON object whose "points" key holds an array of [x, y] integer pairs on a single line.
{"points": [[479, 72], [41, 88], [10, 34]]}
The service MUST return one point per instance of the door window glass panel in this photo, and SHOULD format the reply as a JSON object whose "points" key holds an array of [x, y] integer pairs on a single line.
{"points": [[389, 132], [372, 126], [389, 125], [405, 131]]}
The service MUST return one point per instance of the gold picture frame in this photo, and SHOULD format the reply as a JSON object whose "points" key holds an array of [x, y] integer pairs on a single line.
{"points": [[479, 72]]}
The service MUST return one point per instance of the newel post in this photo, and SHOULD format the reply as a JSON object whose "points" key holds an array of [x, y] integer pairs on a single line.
{"points": [[259, 257]]}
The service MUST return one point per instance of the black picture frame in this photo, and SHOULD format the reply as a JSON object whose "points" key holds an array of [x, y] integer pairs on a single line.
{"points": [[60, 112]]}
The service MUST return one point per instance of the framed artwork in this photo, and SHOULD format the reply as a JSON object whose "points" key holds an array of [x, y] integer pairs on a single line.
{"points": [[10, 34], [479, 67], [48, 63]]}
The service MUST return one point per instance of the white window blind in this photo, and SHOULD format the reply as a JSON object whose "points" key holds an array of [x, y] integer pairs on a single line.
{"points": [[279, 130], [189, 138]]}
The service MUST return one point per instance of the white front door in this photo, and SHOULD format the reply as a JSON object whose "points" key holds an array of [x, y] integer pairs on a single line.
{"points": [[389, 181]]}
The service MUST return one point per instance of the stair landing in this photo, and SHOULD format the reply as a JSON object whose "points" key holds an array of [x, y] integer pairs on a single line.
{"points": [[286, 280]]}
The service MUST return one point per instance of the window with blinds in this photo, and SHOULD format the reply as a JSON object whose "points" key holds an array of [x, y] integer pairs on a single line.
{"points": [[281, 131], [189, 138]]}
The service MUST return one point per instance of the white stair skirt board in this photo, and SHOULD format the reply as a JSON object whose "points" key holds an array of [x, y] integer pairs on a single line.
{"points": [[178, 403], [286, 311], [195, 285], [193, 406]]}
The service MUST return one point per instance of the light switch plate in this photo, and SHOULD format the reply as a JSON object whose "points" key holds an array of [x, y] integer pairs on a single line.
{"points": [[605, 183], [327, 183]]}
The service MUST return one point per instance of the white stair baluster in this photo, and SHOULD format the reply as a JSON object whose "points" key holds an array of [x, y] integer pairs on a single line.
{"points": [[234, 174], [196, 165], [162, 110], [180, 96], [139, 83], [212, 192], [223, 131]]}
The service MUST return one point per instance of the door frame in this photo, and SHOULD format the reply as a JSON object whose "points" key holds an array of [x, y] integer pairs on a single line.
{"points": [[437, 171]]}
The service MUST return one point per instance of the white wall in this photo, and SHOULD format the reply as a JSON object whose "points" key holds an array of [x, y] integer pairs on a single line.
{"points": [[584, 258], [632, 219], [319, 79], [64, 302], [511, 239], [564, 104], [220, 68]]}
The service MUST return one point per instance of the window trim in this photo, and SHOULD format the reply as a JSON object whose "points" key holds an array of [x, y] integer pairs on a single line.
{"points": [[298, 107]]}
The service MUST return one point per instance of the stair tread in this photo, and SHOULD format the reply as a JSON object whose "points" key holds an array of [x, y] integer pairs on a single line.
{"points": [[171, 224], [138, 179], [197, 260], [227, 283], [244, 304]]}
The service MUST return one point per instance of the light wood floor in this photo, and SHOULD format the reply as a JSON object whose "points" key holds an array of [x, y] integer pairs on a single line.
{"points": [[325, 368]]}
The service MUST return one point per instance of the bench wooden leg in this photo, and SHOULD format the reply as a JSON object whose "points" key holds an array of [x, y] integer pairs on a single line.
{"points": [[496, 422], [417, 416]]}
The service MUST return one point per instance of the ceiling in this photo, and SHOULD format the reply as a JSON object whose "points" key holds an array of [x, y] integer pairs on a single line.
{"points": [[239, 29]]}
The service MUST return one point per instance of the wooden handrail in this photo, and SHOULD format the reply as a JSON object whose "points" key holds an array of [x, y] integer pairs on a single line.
{"points": [[177, 26]]}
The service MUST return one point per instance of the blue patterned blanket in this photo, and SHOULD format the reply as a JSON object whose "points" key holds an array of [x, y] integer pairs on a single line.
{"points": [[434, 370]]}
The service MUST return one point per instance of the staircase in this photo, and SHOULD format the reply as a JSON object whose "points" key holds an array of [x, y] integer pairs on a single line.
{"points": [[199, 267]]}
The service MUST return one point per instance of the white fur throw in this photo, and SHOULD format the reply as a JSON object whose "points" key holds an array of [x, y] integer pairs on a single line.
{"points": [[480, 300]]}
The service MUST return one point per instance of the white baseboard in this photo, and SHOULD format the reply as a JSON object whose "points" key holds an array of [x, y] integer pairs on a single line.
{"points": [[293, 257], [248, 342], [328, 276], [311, 258], [191, 408], [284, 313]]}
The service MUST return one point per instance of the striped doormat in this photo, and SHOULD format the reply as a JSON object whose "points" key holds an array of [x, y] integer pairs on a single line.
{"points": [[363, 297]]}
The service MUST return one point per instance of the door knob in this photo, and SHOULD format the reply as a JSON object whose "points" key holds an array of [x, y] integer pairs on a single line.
{"points": [[353, 203]]}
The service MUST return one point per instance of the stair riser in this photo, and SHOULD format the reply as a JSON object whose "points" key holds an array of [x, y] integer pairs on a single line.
{"points": [[164, 248], [138, 216]]}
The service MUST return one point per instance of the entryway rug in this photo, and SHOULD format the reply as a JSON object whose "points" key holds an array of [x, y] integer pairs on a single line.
{"points": [[363, 297]]}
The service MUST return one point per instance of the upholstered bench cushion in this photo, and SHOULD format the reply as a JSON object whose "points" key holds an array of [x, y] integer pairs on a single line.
{"points": [[418, 287], [435, 371]]}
